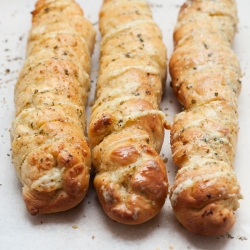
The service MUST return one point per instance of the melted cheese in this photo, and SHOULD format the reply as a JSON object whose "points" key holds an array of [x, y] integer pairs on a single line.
{"points": [[211, 177], [136, 115], [51, 181], [123, 27], [117, 72]]}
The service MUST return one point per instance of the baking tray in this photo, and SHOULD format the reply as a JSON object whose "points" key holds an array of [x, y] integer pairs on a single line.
{"points": [[86, 226]]}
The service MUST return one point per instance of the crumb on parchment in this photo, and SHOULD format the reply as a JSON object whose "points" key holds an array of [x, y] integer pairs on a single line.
{"points": [[165, 160], [229, 236], [241, 238]]}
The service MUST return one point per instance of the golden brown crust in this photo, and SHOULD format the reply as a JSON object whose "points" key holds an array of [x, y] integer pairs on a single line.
{"points": [[126, 129], [50, 151], [205, 75], [131, 186]]}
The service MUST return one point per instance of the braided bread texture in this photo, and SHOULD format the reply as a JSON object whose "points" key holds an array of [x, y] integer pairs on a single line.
{"points": [[206, 80], [126, 128], [50, 152]]}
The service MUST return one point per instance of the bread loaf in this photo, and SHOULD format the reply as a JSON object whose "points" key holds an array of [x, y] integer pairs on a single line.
{"points": [[126, 128], [206, 80], [50, 152]]}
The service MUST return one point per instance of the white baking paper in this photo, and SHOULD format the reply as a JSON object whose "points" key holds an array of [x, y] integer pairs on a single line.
{"points": [[86, 226]]}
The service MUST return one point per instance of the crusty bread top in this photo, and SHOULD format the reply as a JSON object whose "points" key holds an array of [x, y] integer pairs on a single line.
{"points": [[126, 128], [50, 152], [206, 80]]}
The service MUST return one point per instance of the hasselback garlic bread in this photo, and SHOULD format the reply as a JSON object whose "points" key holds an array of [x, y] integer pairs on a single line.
{"points": [[126, 128], [206, 80], [50, 151]]}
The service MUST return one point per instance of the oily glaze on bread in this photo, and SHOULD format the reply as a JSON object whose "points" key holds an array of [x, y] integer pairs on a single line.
{"points": [[206, 80], [126, 129], [50, 152]]}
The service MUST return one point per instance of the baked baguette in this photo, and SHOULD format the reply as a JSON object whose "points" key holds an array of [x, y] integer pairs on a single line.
{"points": [[126, 128], [206, 80], [50, 152]]}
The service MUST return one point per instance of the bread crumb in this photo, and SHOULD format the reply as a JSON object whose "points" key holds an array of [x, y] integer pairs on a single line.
{"points": [[92, 102], [170, 247], [165, 160], [229, 236], [93, 237], [75, 226], [241, 238]]}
